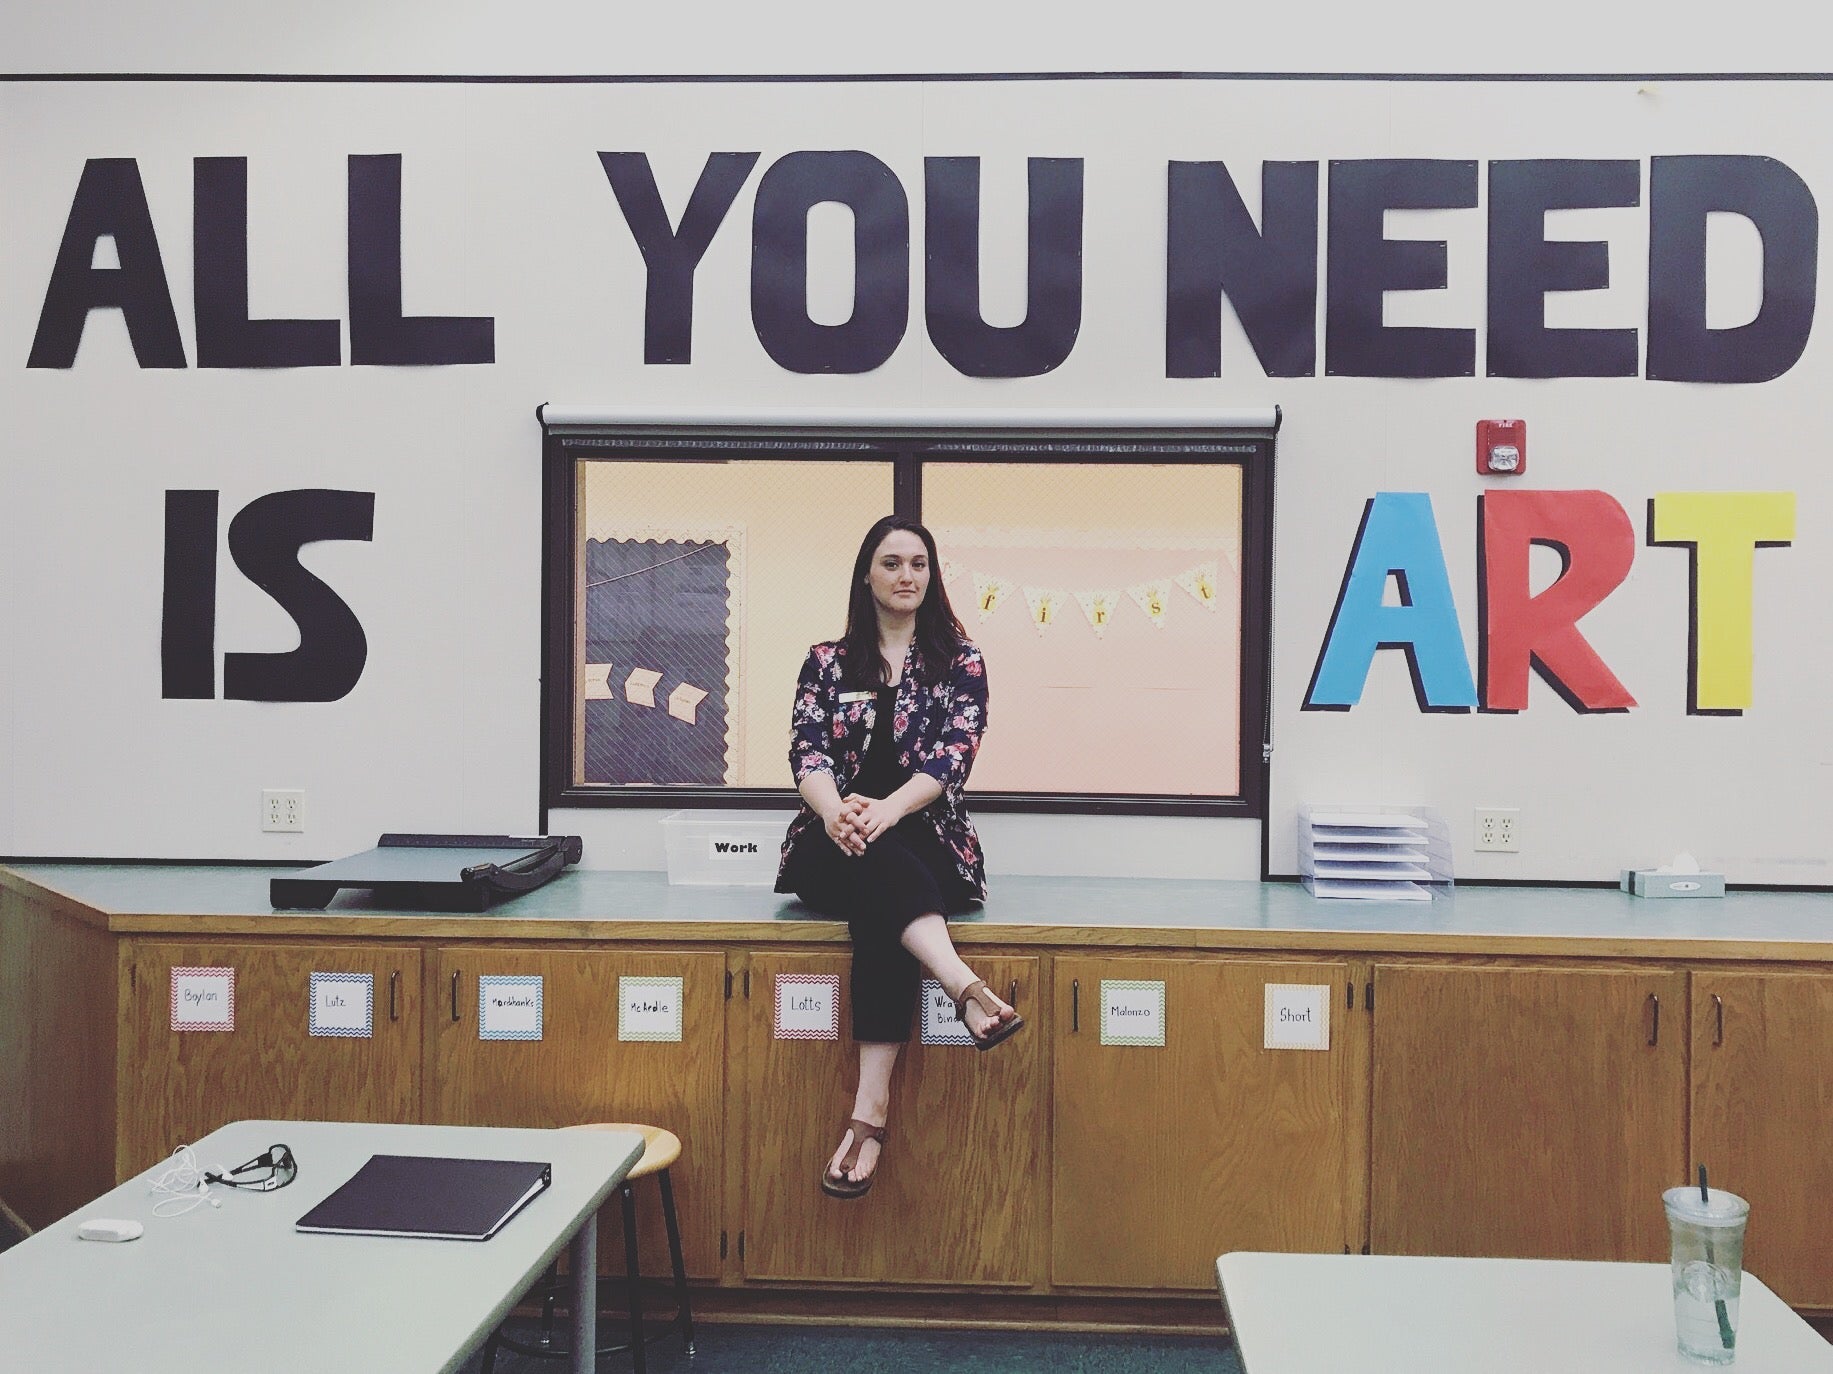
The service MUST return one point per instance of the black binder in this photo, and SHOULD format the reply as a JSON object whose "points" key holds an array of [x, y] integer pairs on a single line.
{"points": [[431, 1198], [433, 872]]}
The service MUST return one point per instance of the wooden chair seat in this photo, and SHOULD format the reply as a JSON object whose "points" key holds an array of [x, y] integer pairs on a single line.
{"points": [[660, 1148]]}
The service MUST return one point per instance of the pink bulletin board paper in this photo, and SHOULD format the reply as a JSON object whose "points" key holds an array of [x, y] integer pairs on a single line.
{"points": [[1135, 709]]}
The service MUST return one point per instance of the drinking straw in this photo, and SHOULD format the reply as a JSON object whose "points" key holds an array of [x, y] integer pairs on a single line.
{"points": [[1726, 1336]]}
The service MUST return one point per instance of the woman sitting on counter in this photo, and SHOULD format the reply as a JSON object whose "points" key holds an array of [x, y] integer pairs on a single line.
{"points": [[886, 724]]}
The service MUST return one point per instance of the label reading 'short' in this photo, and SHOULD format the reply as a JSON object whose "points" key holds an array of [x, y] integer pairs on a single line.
{"points": [[1297, 1016]]}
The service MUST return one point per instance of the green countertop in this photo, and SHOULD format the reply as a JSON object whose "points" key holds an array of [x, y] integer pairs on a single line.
{"points": [[146, 898]]}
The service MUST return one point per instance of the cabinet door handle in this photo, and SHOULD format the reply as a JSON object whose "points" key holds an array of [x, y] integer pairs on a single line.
{"points": [[1012, 997], [454, 996], [1718, 1014], [1075, 1005], [394, 1006], [1654, 1019]]}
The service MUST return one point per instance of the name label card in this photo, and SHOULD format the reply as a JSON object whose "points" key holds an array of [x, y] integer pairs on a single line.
{"points": [[808, 1006], [509, 1007], [940, 1025], [649, 1008], [1298, 1016], [203, 999], [1132, 1012], [343, 1004]]}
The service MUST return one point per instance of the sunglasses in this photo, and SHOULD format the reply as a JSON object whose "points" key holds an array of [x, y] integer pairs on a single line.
{"points": [[273, 1168]]}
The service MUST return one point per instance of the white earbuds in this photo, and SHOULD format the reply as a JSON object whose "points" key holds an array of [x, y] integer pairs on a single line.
{"points": [[182, 1186]]}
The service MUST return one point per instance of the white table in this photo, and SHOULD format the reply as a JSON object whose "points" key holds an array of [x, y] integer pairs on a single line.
{"points": [[236, 1287], [1394, 1314]]}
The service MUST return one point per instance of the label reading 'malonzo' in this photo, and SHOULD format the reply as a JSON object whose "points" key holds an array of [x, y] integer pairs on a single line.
{"points": [[1132, 1012]]}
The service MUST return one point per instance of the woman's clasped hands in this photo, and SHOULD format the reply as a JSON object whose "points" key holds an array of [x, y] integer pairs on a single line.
{"points": [[858, 820]]}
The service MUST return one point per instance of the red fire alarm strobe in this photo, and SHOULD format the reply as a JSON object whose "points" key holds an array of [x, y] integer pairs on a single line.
{"points": [[1502, 447]]}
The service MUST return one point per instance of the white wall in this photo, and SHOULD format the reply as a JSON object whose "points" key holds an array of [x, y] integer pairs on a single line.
{"points": [[508, 214], [727, 36]]}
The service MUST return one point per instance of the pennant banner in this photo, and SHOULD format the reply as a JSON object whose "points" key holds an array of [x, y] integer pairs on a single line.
{"points": [[1150, 597], [1099, 607], [1202, 582], [988, 593], [1043, 603]]}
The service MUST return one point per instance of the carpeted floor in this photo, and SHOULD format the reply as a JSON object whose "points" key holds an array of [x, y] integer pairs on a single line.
{"points": [[731, 1349]]}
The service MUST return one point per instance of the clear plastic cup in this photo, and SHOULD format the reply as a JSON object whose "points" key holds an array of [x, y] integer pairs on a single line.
{"points": [[1707, 1258]]}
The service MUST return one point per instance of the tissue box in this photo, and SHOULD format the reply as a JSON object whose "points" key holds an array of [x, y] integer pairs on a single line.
{"points": [[1649, 882]]}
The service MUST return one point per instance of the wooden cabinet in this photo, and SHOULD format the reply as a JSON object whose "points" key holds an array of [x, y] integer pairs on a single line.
{"points": [[1763, 1116], [579, 1071], [1166, 1157], [1499, 1097], [176, 1086], [958, 1196], [1535, 1112]]}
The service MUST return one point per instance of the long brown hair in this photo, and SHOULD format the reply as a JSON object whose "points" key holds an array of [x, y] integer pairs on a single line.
{"points": [[939, 635]]}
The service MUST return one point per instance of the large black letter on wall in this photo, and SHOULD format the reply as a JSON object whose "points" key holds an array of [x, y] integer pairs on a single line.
{"points": [[110, 202], [1269, 275], [264, 539], [1364, 264], [1682, 192], [226, 337], [1053, 269], [793, 186], [671, 255], [379, 334], [1524, 266], [187, 630]]}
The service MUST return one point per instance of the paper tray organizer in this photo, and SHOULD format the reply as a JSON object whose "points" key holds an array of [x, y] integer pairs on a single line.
{"points": [[433, 872], [1373, 853]]}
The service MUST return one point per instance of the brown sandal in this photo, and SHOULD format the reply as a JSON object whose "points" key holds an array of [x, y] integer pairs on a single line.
{"points": [[1009, 1022], [844, 1187]]}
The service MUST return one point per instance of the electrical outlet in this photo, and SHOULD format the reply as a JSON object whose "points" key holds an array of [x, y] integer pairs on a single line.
{"points": [[283, 810], [1498, 829]]}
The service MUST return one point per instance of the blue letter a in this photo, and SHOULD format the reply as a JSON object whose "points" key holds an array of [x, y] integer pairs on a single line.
{"points": [[1398, 539]]}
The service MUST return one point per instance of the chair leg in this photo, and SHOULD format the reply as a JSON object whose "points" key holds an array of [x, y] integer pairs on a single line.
{"points": [[551, 1284], [674, 1253], [634, 1280]]}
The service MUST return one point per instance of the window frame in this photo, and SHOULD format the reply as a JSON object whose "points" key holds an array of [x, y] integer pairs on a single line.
{"points": [[908, 449]]}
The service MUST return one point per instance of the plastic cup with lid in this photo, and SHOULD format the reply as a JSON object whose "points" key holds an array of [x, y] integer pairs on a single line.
{"points": [[1706, 1235]]}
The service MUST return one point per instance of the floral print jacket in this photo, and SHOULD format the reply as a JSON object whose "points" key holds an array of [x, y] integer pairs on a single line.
{"points": [[938, 729]]}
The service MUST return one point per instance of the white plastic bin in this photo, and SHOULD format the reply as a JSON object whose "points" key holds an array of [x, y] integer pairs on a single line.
{"points": [[723, 848]]}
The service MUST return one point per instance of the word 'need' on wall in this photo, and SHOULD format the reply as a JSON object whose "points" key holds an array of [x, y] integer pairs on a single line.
{"points": [[1271, 273]]}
